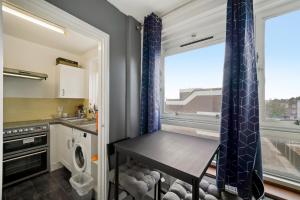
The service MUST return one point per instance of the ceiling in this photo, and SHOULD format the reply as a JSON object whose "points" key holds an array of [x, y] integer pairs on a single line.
{"points": [[140, 8], [185, 21], [201, 19], [71, 41]]}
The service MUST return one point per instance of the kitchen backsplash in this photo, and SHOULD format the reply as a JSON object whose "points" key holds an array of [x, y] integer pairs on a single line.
{"points": [[22, 109]]}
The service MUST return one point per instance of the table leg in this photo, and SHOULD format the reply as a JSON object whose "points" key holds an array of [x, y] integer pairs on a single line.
{"points": [[159, 189], [155, 192], [117, 175], [195, 189]]}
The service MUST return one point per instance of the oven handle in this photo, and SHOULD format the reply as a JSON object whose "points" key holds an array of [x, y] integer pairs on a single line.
{"points": [[8, 141], [17, 158]]}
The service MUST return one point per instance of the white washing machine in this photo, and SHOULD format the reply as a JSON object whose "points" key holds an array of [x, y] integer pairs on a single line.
{"points": [[81, 153]]}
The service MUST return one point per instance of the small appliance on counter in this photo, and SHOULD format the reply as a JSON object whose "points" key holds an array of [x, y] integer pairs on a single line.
{"points": [[25, 151], [80, 111]]}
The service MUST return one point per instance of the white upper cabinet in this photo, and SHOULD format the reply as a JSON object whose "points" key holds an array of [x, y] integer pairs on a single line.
{"points": [[71, 82]]}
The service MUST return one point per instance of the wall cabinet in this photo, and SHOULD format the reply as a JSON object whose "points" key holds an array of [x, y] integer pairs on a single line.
{"points": [[71, 82]]}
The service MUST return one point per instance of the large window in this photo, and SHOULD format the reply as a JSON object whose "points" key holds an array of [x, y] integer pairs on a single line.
{"points": [[281, 149], [193, 86], [193, 81]]}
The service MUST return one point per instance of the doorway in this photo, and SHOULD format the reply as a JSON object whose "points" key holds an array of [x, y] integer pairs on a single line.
{"points": [[70, 23]]}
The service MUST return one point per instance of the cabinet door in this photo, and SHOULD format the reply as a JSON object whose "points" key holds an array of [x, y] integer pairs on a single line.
{"points": [[72, 82], [64, 141]]}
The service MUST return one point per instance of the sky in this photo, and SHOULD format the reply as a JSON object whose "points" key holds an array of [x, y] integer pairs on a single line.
{"points": [[203, 68]]}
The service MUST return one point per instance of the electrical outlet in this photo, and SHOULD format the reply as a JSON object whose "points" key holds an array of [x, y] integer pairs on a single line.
{"points": [[231, 189]]}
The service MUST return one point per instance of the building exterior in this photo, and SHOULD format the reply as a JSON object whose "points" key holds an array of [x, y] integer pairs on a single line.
{"points": [[283, 109], [196, 100], [298, 109], [207, 101]]}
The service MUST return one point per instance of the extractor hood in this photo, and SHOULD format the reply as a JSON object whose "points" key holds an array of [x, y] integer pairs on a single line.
{"points": [[24, 74]]}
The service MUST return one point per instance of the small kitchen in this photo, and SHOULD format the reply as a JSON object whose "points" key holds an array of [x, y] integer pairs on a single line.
{"points": [[50, 109]]}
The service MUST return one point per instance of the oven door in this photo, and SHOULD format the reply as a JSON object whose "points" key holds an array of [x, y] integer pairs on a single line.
{"points": [[24, 165], [24, 142]]}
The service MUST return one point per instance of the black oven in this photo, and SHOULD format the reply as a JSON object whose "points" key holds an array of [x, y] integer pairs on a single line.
{"points": [[25, 152], [24, 165], [25, 142]]}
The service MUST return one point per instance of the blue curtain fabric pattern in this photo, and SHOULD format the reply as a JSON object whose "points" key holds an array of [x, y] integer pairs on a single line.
{"points": [[239, 155], [150, 97]]}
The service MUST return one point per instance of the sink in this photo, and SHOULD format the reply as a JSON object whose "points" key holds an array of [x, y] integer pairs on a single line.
{"points": [[69, 118], [82, 122], [89, 126], [78, 120]]}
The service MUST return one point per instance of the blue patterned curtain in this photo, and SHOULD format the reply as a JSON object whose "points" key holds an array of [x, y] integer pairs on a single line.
{"points": [[240, 154], [150, 97]]}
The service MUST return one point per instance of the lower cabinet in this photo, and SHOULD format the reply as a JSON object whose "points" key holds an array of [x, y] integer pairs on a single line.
{"points": [[63, 145]]}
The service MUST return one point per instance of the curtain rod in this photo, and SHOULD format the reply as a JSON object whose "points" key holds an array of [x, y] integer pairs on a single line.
{"points": [[176, 8]]}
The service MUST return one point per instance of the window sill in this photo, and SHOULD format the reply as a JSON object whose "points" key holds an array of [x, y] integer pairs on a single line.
{"points": [[272, 190]]}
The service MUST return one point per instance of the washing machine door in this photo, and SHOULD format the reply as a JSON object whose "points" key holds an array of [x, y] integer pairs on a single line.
{"points": [[79, 158]]}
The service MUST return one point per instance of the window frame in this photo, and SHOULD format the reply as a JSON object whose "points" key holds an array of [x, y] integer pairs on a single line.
{"points": [[212, 123]]}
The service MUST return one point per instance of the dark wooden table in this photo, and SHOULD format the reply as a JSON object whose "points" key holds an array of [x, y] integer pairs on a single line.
{"points": [[181, 156]]}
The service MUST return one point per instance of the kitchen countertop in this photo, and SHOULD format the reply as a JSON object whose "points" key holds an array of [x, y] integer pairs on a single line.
{"points": [[88, 126]]}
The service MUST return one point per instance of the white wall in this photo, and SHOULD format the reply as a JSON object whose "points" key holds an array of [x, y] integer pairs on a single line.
{"points": [[90, 61], [25, 55]]}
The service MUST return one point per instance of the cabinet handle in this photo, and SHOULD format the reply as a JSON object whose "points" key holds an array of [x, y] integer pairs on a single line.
{"points": [[63, 92]]}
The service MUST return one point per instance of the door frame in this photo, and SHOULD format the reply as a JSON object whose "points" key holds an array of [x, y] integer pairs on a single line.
{"points": [[1, 100], [60, 17]]}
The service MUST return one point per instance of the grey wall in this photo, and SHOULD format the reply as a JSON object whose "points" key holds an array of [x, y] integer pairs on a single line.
{"points": [[133, 77], [103, 15]]}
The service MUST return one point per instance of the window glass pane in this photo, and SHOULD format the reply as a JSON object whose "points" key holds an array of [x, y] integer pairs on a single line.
{"points": [[281, 150], [193, 81]]}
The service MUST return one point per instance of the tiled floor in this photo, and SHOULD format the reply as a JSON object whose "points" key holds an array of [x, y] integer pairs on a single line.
{"points": [[54, 185]]}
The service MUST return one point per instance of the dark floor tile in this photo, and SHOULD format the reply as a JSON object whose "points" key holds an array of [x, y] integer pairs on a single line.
{"points": [[45, 183], [54, 185], [22, 191], [63, 176], [57, 194], [74, 195], [61, 173], [65, 185]]}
